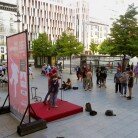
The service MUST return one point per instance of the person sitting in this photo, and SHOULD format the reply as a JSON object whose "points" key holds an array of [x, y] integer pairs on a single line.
{"points": [[67, 85]]}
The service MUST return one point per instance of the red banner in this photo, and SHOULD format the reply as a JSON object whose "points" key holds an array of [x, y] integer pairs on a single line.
{"points": [[18, 73]]}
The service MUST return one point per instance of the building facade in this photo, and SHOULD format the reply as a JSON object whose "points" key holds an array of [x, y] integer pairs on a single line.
{"points": [[7, 26], [39, 16], [51, 17], [82, 16], [97, 32]]}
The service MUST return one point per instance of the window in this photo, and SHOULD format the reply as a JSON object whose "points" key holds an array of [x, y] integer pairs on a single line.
{"points": [[1, 40], [2, 49]]}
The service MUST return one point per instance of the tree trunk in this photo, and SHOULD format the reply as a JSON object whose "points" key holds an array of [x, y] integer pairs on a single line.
{"points": [[70, 64], [63, 62]]}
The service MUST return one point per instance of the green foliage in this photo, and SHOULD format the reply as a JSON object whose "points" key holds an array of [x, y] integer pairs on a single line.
{"points": [[68, 45], [41, 46], [93, 47], [124, 34], [106, 47]]}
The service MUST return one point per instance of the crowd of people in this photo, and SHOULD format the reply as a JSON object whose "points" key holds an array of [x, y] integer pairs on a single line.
{"points": [[123, 79], [86, 75]]}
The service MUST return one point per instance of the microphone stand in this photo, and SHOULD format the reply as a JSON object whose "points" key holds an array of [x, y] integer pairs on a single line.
{"points": [[61, 87]]}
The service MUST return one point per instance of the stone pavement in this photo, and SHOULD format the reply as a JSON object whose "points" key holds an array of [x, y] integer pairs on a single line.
{"points": [[82, 125]]}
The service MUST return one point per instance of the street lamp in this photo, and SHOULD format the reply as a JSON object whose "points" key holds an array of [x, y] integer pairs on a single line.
{"points": [[70, 55]]}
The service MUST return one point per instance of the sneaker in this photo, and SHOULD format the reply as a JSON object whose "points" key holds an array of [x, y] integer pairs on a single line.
{"points": [[121, 95]]}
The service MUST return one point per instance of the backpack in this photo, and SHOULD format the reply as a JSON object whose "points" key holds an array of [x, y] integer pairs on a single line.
{"points": [[75, 88], [88, 107], [109, 113], [93, 113]]}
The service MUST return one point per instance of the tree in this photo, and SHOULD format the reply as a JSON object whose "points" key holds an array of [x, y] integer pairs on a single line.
{"points": [[106, 47], [67, 45], [124, 34], [93, 47], [41, 46]]}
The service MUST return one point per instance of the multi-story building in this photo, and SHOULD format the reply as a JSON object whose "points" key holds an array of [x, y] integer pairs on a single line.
{"points": [[82, 16], [52, 17], [96, 32], [39, 16], [7, 26]]}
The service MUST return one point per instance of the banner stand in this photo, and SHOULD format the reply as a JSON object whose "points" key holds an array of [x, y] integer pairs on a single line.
{"points": [[18, 84], [28, 108], [5, 109], [28, 128]]}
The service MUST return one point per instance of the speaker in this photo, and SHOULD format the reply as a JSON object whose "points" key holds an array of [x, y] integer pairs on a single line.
{"points": [[31, 127], [4, 110]]}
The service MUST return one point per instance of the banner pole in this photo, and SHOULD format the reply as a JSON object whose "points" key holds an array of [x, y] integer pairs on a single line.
{"points": [[28, 75]]}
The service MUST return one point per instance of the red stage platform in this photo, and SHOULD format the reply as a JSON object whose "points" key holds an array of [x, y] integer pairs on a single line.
{"points": [[49, 114]]}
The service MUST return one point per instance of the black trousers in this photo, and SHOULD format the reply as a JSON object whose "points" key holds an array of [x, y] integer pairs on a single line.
{"points": [[118, 87]]}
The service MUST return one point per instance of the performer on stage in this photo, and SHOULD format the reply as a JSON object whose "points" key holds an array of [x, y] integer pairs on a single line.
{"points": [[52, 88]]}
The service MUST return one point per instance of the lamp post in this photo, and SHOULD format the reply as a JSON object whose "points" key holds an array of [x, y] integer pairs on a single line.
{"points": [[70, 55]]}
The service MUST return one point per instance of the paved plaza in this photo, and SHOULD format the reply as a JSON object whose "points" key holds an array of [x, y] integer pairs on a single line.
{"points": [[82, 125]]}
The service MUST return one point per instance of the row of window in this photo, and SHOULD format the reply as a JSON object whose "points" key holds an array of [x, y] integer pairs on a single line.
{"points": [[46, 6]]}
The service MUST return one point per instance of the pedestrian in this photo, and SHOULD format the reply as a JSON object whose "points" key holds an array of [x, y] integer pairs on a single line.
{"points": [[4, 69], [128, 67], [31, 71], [78, 72], [130, 85], [103, 76], [84, 77], [123, 81], [89, 82], [119, 67], [136, 72], [117, 76], [132, 66], [97, 75]]}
